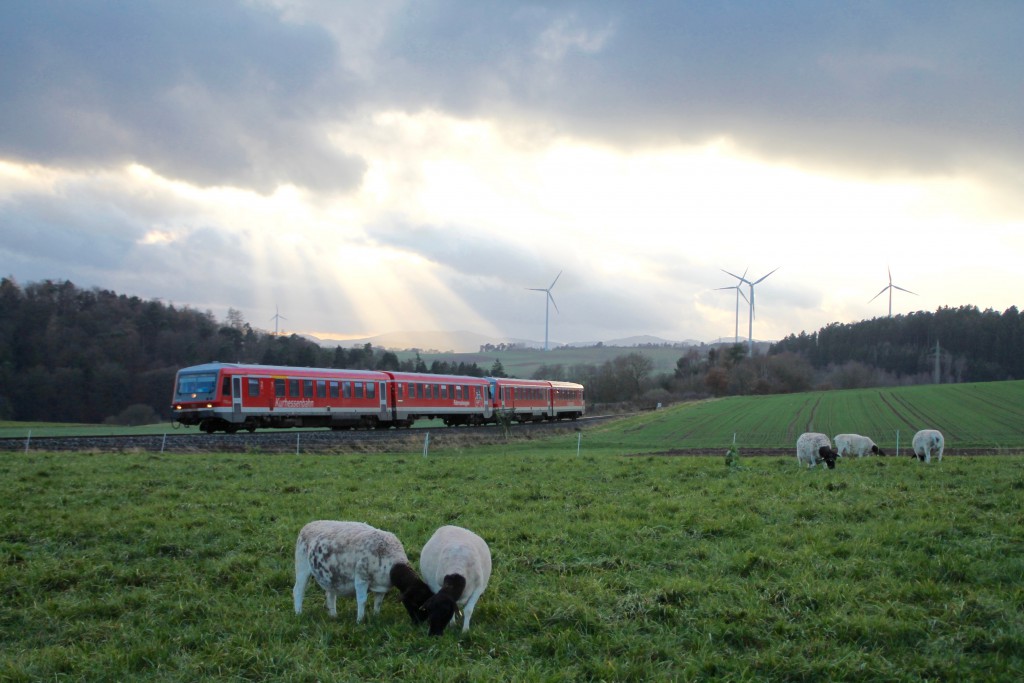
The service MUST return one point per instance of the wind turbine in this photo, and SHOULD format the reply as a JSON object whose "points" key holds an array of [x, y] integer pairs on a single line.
{"points": [[739, 293], [890, 287], [277, 317], [750, 300], [549, 300]]}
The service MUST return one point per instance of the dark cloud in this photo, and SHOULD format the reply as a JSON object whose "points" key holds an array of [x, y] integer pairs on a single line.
{"points": [[241, 93], [214, 93], [887, 86]]}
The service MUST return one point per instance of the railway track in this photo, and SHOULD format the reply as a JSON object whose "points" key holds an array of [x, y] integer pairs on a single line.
{"points": [[293, 441]]}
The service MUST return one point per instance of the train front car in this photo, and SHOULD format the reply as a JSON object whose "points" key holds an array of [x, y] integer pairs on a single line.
{"points": [[229, 397], [201, 398]]}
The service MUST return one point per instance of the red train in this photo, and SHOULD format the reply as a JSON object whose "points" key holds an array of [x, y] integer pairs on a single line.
{"points": [[228, 397]]}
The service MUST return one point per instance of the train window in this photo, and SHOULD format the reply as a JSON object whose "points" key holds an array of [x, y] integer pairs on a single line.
{"points": [[451, 391], [399, 394], [359, 390], [458, 392], [307, 388], [279, 387], [293, 387], [371, 389], [254, 387], [437, 391], [321, 388], [225, 386], [419, 390], [333, 386], [427, 391], [346, 389], [444, 391]]}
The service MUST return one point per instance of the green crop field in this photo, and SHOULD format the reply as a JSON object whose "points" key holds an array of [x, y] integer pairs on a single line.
{"points": [[607, 566], [988, 416]]}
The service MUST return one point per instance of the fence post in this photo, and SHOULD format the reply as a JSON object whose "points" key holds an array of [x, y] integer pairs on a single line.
{"points": [[426, 444]]}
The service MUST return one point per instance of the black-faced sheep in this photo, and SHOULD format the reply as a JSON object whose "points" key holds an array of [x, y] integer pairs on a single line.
{"points": [[855, 444], [456, 564], [813, 447], [926, 442], [352, 558]]}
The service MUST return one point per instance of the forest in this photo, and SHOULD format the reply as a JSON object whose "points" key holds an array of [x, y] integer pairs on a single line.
{"points": [[91, 355]]}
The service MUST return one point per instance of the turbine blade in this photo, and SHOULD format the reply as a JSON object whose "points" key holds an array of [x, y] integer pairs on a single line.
{"points": [[904, 290], [555, 280], [879, 294], [553, 302], [741, 279], [766, 276], [740, 292]]}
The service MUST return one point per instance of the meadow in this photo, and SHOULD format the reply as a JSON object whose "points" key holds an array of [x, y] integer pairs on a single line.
{"points": [[607, 566]]}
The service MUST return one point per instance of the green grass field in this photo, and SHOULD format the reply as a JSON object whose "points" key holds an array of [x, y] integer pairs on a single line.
{"points": [[611, 562], [139, 566]]}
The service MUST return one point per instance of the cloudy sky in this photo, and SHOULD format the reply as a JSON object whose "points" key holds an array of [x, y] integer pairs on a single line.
{"points": [[367, 167]]}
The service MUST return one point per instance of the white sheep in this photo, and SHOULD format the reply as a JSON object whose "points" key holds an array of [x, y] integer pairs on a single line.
{"points": [[456, 564], [813, 447], [926, 442], [347, 558], [855, 444]]}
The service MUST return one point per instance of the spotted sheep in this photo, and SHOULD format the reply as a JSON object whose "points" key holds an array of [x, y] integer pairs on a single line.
{"points": [[353, 558], [456, 564], [855, 444], [813, 447], [928, 442]]}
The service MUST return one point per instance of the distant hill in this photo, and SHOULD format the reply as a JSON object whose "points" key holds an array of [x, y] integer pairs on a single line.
{"points": [[461, 341]]}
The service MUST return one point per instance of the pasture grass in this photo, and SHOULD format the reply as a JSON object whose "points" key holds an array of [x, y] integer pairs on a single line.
{"points": [[139, 566]]}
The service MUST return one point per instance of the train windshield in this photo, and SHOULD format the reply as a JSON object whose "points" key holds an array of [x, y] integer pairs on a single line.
{"points": [[197, 385]]}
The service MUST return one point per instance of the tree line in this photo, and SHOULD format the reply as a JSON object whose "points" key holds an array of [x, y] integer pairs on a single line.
{"points": [[75, 355]]}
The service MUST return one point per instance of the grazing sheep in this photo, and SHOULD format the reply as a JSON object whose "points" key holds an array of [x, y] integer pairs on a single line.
{"points": [[855, 444], [347, 558], [926, 442], [456, 563], [813, 447]]}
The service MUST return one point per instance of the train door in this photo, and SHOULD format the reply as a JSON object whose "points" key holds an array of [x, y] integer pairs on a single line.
{"points": [[236, 399], [382, 392]]}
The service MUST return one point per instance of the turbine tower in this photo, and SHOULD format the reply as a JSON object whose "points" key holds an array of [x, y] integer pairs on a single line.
{"points": [[750, 300], [276, 318], [739, 293], [890, 287], [548, 300]]}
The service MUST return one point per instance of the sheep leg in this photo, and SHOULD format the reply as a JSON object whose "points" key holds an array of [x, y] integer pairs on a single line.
{"points": [[467, 611], [377, 599], [332, 603], [362, 588], [302, 572]]}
